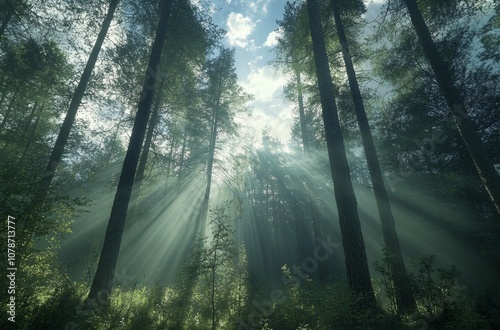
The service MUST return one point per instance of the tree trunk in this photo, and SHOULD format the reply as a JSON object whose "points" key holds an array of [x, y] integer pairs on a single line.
{"points": [[103, 279], [466, 127], [404, 295], [318, 234], [358, 274], [62, 138], [27, 122], [212, 300], [303, 126], [183, 153], [211, 156], [149, 137], [141, 168]]}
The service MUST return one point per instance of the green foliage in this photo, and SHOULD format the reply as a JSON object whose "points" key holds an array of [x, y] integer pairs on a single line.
{"points": [[441, 301], [44, 296], [434, 295], [387, 281], [309, 306]]}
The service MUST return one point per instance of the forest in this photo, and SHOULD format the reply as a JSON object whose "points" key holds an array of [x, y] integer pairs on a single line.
{"points": [[137, 190]]}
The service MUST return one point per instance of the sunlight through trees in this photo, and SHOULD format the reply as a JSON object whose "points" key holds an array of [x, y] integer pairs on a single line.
{"points": [[306, 164]]}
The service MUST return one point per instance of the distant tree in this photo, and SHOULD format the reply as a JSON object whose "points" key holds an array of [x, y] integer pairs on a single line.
{"points": [[220, 251], [293, 55], [223, 97]]}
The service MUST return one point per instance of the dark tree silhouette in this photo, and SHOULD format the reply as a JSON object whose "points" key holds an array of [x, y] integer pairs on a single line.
{"points": [[62, 138], [404, 296], [358, 274], [466, 127], [103, 279]]}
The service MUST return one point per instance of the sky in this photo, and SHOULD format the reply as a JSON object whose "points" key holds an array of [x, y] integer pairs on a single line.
{"points": [[252, 30]]}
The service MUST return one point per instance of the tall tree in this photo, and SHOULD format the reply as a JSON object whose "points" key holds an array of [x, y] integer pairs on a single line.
{"points": [[454, 100], [404, 296], [294, 54], [358, 274], [223, 96], [103, 279], [62, 138]]}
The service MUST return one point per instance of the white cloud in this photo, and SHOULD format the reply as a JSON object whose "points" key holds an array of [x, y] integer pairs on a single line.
{"points": [[280, 120], [264, 83], [269, 108], [255, 61], [239, 28], [377, 2], [272, 38], [259, 4]]}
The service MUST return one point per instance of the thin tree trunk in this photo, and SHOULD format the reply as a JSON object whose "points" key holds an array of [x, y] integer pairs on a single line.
{"points": [[103, 279], [149, 137], [183, 152], [211, 156], [170, 161], [404, 295], [27, 123], [318, 234], [358, 274], [141, 168], [213, 285], [62, 138], [466, 127], [303, 126], [317, 230]]}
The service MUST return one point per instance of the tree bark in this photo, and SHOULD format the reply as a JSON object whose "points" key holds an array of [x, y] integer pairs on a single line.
{"points": [[404, 295], [466, 127], [103, 279], [358, 274]]}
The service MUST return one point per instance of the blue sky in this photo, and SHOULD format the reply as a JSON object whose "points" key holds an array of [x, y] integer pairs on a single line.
{"points": [[251, 30], [250, 27]]}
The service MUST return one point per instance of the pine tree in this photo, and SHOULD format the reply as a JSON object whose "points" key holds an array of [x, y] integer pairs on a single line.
{"points": [[103, 279], [358, 274]]}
